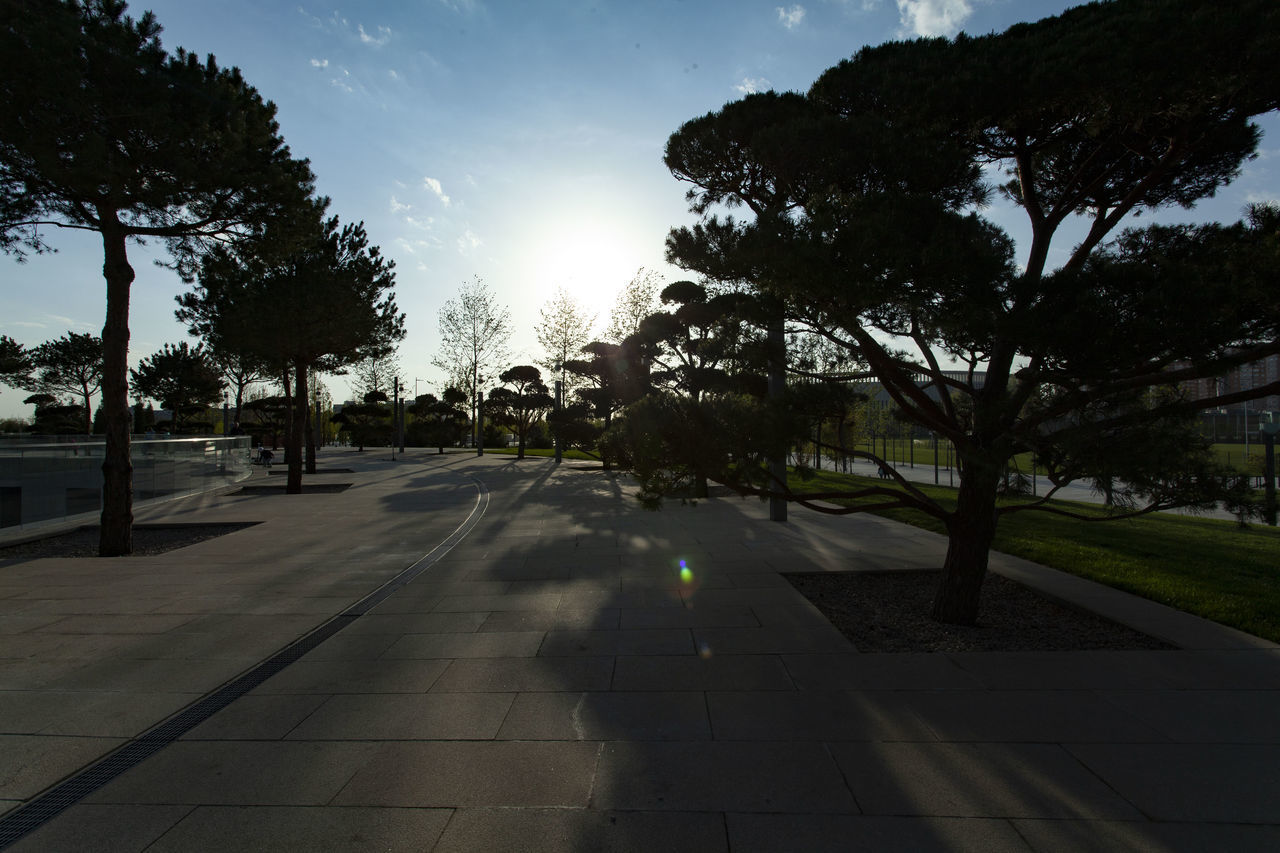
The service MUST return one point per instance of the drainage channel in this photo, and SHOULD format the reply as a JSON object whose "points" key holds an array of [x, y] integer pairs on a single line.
{"points": [[39, 811]]}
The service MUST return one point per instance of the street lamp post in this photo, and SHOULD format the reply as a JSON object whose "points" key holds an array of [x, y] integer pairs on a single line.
{"points": [[558, 404], [1269, 430]]}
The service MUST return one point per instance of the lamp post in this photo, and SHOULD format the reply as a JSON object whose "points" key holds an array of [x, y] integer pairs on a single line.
{"points": [[395, 410], [226, 415], [556, 438], [1269, 430]]}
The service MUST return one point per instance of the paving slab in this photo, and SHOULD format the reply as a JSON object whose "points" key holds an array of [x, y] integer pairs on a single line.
{"points": [[980, 780], [214, 829], [561, 619], [1102, 836], [720, 776], [655, 641], [689, 672], [31, 761], [1205, 716], [93, 829], [527, 674], [1224, 783], [828, 716], [551, 682], [406, 716], [272, 773], [1032, 716], [559, 830], [825, 833], [436, 774], [599, 716]]}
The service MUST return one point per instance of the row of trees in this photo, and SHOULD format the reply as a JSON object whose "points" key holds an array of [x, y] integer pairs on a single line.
{"points": [[105, 131], [856, 213], [853, 218]]}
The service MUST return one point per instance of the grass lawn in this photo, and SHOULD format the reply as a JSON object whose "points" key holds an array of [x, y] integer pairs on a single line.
{"points": [[1246, 460], [529, 451], [1208, 567]]}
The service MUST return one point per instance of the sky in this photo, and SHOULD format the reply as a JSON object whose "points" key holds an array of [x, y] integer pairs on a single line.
{"points": [[518, 141]]}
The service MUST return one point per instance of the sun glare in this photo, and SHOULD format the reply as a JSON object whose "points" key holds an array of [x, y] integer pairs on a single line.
{"points": [[591, 260]]}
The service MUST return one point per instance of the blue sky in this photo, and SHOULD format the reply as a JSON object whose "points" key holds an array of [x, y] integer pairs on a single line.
{"points": [[520, 142]]}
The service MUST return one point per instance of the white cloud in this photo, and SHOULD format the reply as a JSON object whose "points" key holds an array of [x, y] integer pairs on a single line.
{"points": [[339, 84], [434, 185], [391, 72], [933, 17], [751, 85], [397, 207], [383, 36], [319, 63], [413, 247], [791, 18], [421, 224], [469, 242]]}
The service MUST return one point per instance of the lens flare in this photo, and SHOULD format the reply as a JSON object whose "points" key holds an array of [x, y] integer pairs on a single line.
{"points": [[686, 573]]}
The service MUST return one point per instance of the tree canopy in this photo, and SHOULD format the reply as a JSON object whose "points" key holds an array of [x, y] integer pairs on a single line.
{"points": [[563, 329], [325, 303], [522, 399], [69, 365], [866, 199], [15, 362], [183, 379], [103, 130], [474, 331]]}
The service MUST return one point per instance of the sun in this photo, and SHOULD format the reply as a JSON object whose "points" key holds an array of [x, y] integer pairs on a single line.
{"points": [[591, 259]]}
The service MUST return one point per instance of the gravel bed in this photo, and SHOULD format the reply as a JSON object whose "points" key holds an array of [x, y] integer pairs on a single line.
{"points": [[147, 540], [889, 612]]}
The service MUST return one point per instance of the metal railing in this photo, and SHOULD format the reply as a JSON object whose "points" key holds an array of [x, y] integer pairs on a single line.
{"points": [[53, 478]]}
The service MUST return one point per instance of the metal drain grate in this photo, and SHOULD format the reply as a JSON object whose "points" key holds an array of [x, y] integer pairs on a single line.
{"points": [[51, 803]]}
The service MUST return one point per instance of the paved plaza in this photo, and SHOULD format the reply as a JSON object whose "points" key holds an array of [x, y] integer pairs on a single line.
{"points": [[461, 653]]}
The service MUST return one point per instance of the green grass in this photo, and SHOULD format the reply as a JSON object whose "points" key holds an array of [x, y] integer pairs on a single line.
{"points": [[1208, 567], [530, 451], [1246, 460]]}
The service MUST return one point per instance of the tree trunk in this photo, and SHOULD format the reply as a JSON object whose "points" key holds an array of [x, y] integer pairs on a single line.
{"points": [[88, 408], [297, 431], [287, 385], [115, 537], [699, 485], [970, 533]]}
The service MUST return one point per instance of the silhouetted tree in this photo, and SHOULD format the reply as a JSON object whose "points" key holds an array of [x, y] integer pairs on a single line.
{"points": [[474, 330], [521, 401], [102, 130], [324, 304], [862, 200], [71, 364], [182, 379]]}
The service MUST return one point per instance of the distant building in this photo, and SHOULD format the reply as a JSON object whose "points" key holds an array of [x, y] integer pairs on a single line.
{"points": [[1242, 378]]}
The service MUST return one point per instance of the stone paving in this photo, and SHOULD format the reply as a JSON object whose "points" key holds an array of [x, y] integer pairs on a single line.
{"points": [[549, 681]]}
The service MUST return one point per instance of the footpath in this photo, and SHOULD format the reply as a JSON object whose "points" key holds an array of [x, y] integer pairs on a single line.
{"points": [[459, 653]]}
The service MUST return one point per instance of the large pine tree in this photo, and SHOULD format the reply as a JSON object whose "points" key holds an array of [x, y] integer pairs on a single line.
{"points": [[103, 130]]}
